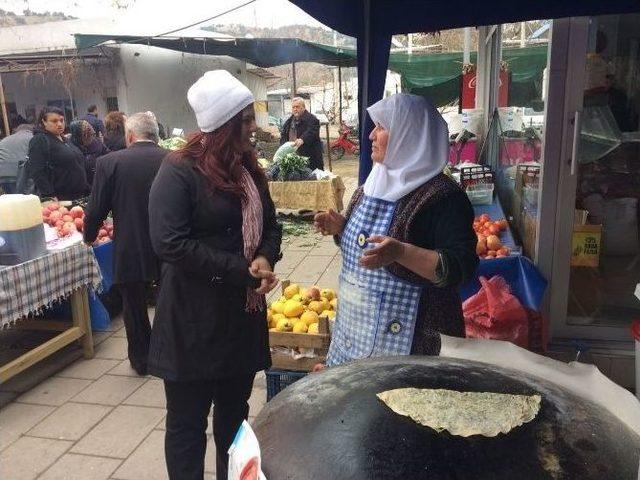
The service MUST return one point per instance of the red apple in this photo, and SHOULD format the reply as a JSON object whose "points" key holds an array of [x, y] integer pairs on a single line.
{"points": [[55, 216], [79, 222], [76, 212], [67, 218], [68, 228], [53, 206], [102, 233], [63, 210], [59, 223]]}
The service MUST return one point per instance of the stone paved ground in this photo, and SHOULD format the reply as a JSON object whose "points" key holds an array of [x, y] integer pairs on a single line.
{"points": [[97, 419]]}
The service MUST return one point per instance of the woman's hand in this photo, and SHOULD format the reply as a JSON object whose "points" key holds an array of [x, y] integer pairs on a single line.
{"points": [[386, 251], [329, 223], [261, 268]]}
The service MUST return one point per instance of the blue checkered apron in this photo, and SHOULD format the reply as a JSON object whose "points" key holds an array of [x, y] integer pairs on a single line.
{"points": [[377, 310]]}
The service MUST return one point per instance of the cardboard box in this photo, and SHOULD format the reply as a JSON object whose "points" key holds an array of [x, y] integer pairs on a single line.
{"points": [[308, 195]]}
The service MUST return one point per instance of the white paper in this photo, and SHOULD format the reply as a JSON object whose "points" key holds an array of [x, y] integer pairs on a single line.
{"points": [[578, 378]]}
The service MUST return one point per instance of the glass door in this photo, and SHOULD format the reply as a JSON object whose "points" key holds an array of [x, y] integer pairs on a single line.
{"points": [[596, 260]]}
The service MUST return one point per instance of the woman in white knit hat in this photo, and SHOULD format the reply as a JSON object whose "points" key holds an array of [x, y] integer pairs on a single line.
{"points": [[213, 225]]}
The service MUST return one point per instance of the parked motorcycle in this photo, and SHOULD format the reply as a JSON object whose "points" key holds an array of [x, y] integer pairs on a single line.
{"points": [[347, 142]]}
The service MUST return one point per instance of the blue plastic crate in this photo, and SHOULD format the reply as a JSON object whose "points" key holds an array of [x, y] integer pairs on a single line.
{"points": [[277, 380]]}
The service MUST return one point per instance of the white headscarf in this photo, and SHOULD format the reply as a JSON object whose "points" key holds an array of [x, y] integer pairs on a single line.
{"points": [[418, 147], [216, 98]]}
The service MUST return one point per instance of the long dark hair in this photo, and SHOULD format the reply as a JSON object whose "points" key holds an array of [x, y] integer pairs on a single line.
{"points": [[43, 115], [220, 154]]}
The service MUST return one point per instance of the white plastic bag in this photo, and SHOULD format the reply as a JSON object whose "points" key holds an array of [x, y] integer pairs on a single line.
{"points": [[244, 455]]}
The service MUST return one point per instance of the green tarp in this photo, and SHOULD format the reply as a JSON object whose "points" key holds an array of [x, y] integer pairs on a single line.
{"points": [[436, 76]]}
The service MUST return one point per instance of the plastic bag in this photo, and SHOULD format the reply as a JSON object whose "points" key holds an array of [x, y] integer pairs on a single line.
{"points": [[244, 455], [494, 313], [284, 149]]}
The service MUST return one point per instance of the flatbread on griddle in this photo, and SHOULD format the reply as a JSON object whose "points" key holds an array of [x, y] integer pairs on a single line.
{"points": [[463, 413]]}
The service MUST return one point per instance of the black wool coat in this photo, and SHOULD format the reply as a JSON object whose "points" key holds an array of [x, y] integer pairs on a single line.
{"points": [[201, 330]]}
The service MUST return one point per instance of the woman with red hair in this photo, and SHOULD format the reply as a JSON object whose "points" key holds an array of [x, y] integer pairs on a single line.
{"points": [[213, 225]]}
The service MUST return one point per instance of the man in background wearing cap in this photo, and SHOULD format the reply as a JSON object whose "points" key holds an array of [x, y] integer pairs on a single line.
{"points": [[121, 185], [303, 129]]}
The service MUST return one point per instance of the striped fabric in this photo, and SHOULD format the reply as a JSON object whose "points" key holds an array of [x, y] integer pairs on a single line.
{"points": [[29, 287], [251, 232]]}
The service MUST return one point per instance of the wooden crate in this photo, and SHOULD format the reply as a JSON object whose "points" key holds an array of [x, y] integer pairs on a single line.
{"points": [[319, 342]]}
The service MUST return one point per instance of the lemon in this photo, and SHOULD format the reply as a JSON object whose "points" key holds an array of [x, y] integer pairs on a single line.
{"points": [[309, 317], [300, 327], [291, 290], [278, 307], [297, 298], [316, 306], [329, 314], [334, 303], [313, 328], [328, 294], [283, 299], [293, 308], [284, 325]]}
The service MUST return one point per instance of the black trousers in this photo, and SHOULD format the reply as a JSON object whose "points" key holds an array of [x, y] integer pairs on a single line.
{"points": [[136, 322], [188, 404]]}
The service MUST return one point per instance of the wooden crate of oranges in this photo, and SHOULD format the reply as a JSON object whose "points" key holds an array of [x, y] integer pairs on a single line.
{"points": [[299, 319]]}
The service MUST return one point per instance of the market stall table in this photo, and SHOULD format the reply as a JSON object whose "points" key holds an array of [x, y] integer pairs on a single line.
{"points": [[32, 286]]}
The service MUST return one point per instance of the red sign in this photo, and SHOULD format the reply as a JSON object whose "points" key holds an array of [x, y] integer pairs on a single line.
{"points": [[469, 90]]}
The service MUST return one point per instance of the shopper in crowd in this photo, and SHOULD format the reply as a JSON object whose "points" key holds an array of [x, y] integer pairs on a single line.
{"points": [[303, 129], [407, 240], [214, 227], [13, 150], [83, 137], [114, 126], [56, 166], [122, 183], [94, 120]]}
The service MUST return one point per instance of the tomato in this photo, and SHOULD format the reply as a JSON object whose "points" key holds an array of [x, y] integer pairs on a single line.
{"points": [[76, 212], [484, 218], [493, 243], [494, 229]]}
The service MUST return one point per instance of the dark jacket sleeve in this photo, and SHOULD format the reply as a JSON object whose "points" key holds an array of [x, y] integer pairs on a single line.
{"points": [[284, 134], [454, 238], [100, 202], [101, 128], [38, 169], [271, 231], [170, 212], [311, 134]]}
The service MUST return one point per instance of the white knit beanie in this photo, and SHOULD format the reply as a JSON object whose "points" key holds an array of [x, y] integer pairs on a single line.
{"points": [[216, 98]]}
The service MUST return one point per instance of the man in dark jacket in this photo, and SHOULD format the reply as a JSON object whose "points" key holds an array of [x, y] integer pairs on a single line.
{"points": [[303, 129], [96, 123], [121, 185], [13, 150]]}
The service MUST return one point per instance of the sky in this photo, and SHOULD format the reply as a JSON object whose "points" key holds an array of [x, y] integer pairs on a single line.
{"points": [[171, 14]]}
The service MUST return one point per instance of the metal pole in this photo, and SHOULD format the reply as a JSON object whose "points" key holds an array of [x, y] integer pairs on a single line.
{"points": [[410, 44], [326, 129], [293, 78], [5, 116], [339, 95], [523, 34], [466, 58]]}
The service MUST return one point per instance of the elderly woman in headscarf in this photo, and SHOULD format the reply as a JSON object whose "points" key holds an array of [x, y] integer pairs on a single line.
{"points": [[84, 138], [213, 226], [407, 240]]}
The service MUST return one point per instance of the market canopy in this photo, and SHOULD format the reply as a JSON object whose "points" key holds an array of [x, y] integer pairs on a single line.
{"points": [[262, 52], [434, 75], [373, 22]]}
